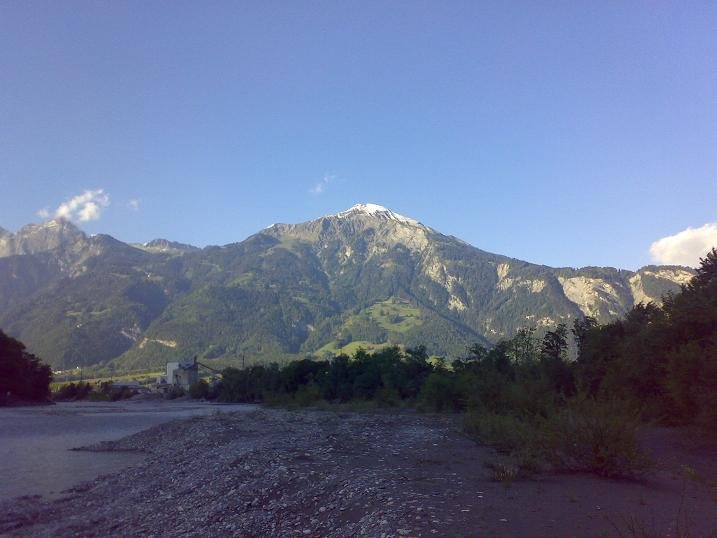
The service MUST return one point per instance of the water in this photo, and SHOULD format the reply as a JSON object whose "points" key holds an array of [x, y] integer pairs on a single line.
{"points": [[35, 441]]}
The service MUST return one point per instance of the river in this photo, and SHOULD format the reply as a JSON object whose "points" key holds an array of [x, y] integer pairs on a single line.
{"points": [[35, 442]]}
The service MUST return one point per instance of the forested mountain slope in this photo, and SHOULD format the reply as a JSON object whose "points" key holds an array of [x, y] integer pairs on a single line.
{"points": [[366, 276]]}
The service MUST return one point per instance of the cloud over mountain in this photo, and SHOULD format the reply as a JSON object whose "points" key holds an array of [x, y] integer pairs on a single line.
{"points": [[685, 247], [84, 207]]}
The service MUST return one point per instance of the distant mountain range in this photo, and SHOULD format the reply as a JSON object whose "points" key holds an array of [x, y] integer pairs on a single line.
{"points": [[363, 277]]}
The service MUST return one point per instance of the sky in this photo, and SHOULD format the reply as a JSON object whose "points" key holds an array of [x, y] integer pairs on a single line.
{"points": [[562, 133]]}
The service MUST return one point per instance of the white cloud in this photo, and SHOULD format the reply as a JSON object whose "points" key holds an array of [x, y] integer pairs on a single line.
{"points": [[133, 204], [320, 187], [43, 213], [84, 207], [685, 247]]}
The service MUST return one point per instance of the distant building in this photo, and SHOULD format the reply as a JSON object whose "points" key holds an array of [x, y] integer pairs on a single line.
{"points": [[183, 373]]}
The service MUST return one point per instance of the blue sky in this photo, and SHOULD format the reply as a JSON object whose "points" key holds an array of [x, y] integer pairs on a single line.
{"points": [[565, 133]]}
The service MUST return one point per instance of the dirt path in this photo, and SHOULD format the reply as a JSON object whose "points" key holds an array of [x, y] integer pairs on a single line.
{"points": [[279, 473]]}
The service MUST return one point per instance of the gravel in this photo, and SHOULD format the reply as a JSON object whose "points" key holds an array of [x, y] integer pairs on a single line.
{"points": [[266, 473], [318, 473]]}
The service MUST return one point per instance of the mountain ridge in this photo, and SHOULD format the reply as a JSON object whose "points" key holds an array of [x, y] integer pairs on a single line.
{"points": [[364, 276]]}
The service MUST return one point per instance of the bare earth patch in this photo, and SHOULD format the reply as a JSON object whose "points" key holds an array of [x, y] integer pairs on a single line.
{"points": [[315, 473]]}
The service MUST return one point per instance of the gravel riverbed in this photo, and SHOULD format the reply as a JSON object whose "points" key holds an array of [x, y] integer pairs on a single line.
{"points": [[315, 473]]}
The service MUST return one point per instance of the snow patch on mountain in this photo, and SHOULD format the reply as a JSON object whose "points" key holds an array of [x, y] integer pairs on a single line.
{"points": [[378, 211]]}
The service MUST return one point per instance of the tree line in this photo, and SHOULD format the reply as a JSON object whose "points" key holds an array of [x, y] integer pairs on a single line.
{"points": [[661, 358], [23, 376]]}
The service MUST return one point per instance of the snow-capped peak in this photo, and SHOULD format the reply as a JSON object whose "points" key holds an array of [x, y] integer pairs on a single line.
{"points": [[376, 210], [369, 208]]}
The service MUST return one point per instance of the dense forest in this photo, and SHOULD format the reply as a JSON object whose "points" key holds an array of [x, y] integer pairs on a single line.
{"points": [[23, 377]]}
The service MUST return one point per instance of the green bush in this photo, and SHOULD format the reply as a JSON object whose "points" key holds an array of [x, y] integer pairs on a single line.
{"points": [[585, 434], [307, 395], [519, 437], [441, 392], [104, 392], [386, 397], [599, 436], [505, 432], [200, 390], [73, 391], [691, 378]]}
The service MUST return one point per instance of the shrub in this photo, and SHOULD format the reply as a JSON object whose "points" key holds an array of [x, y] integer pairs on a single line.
{"points": [[73, 391], [200, 389], [174, 393], [502, 431], [386, 397], [121, 393], [501, 472], [590, 435], [307, 395], [599, 436], [691, 378], [441, 392], [106, 391]]}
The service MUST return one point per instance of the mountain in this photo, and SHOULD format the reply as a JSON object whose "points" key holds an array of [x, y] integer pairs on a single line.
{"points": [[366, 276], [35, 238], [165, 245]]}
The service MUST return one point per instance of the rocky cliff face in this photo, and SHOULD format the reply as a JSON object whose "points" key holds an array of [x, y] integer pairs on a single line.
{"points": [[166, 246], [36, 238], [366, 276], [477, 287]]}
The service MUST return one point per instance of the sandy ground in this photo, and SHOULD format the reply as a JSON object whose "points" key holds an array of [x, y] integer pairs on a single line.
{"points": [[312, 473]]}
